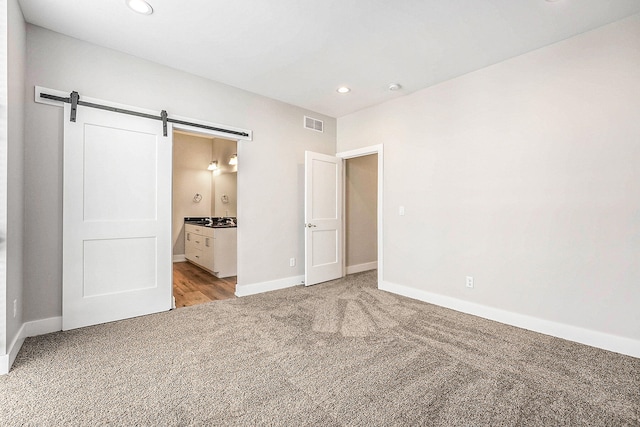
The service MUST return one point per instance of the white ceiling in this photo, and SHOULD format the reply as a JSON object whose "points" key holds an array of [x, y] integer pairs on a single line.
{"points": [[300, 51]]}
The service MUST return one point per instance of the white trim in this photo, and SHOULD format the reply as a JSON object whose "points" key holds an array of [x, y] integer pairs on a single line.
{"points": [[365, 151], [359, 152], [179, 258], [258, 288], [28, 329], [590, 337], [43, 326], [7, 360], [39, 89], [4, 364], [358, 268]]}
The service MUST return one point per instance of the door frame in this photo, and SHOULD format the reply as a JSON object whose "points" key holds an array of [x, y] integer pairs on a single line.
{"points": [[360, 152], [207, 133]]}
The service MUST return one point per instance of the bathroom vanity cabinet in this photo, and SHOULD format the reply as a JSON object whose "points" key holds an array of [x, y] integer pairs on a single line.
{"points": [[214, 249]]}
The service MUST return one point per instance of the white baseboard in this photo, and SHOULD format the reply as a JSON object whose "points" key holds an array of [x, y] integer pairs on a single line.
{"points": [[358, 268], [4, 364], [179, 258], [7, 360], [258, 288], [43, 326], [28, 329], [590, 337]]}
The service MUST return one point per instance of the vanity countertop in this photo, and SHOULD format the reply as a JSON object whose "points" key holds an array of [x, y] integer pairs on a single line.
{"points": [[212, 222]]}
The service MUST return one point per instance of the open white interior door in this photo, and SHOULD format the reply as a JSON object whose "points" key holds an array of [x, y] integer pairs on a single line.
{"points": [[323, 218], [116, 218]]}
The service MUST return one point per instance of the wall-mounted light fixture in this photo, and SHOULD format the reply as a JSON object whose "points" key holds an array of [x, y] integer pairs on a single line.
{"points": [[233, 160], [213, 165]]}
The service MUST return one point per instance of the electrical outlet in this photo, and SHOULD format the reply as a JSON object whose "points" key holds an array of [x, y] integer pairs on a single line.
{"points": [[292, 262], [469, 282], [401, 211], [15, 308]]}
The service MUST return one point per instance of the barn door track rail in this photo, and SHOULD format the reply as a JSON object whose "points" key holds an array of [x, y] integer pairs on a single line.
{"points": [[74, 100]]}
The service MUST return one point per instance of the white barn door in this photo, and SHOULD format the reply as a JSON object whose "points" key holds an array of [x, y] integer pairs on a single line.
{"points": [[323, 218], [116, 218]]}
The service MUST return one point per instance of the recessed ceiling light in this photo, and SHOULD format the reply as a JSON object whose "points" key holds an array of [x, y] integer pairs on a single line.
{"points": [[140, 6], [343, 89], [394, 87]]}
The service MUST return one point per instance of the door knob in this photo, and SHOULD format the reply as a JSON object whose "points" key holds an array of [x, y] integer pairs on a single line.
{"points": [[310, 225]]}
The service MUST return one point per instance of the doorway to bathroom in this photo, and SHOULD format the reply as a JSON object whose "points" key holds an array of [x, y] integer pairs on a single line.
{"points": [[204, 218]]}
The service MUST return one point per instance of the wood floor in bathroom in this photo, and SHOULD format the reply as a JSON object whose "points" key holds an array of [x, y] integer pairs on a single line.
{"points": [[193, 285]]}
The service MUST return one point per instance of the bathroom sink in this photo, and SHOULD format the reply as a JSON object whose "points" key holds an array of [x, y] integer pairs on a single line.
{"points": [[207, 222]]}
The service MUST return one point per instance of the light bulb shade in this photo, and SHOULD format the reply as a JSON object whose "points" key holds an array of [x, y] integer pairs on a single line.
{"points": [[233, 160], [213, 165]]}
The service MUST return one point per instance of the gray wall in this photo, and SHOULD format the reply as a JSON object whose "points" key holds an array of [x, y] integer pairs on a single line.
{"points": [[12, 173], [361, 204], [191, 157], [270, 180], [523, 175]]}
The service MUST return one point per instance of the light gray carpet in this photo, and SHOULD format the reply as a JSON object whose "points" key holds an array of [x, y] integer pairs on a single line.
{"points": [[340, 353]]}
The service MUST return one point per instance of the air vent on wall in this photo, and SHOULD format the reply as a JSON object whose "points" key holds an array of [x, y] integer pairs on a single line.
{"points": [[313, 124]]}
